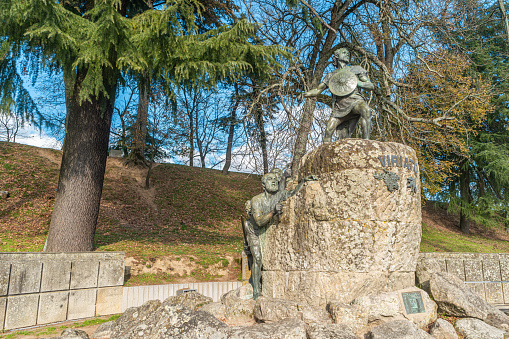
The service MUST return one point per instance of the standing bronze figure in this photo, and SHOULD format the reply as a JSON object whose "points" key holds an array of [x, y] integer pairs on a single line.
{"points": [[262, 211], [348, 106]]}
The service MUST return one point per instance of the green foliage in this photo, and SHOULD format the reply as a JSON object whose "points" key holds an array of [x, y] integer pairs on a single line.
{"points": [[100, 42]]}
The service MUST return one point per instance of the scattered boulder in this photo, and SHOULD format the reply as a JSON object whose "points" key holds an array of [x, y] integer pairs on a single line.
{"points": [[424, 270], [216, 309], [191, 300], [103, 331], [4, 194], [290, 328], [170, 321], [354, 316], [457, 299], [239, 306], [269, 310], [477, 329], [389, 306], [133, 316], [398, 329], [71, 333], [330, 331], [442, 329]]}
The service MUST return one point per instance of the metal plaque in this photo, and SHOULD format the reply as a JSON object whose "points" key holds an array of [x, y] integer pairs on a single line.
{"points": [[342, 83], [413, 302]]}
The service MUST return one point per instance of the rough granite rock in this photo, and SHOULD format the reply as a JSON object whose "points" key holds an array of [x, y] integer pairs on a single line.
{"points": [[133, 316], [424, 270], [455, 298], [346, 235], [71, 333], [398, 329], [330, 331], [442, 329], [290, 328], [238, 306], [216, 309], [191, 300], [477, 329], [103, 331], [172, 321], [269, 310], [388, 306], [354, 316]]}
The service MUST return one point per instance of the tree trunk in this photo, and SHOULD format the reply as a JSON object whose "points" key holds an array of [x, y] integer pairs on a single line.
{"points": [[231, 132], [465, 199], [301, 140], [85, 150], [191, 140], [263, 140], [506, 23], [139, 132]]}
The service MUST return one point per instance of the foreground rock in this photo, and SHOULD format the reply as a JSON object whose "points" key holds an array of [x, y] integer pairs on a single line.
{"points": [[389, 306], [398, 329], [454, 298], [104, 331], [442, 329], [239, 306], [354, 316], [269, 310], [477, 329], [70, 333], [291, 328], [167, 320], [334, 331]]}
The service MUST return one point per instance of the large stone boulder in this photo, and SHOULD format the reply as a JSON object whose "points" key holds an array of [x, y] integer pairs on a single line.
{"points": [[71, 333], [103, 331], [472, 328], [164, 321], [455, 298], [442, 329], [398, 329], [353, 316], [191, 300], [334, 331], [269, 310], [290, 328], [356, 231], [239, 305], [389, 306], [426, 267], [216, 309]]}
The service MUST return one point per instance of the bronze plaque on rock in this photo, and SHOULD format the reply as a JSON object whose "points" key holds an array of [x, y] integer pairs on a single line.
{"points": [[413, 302]]}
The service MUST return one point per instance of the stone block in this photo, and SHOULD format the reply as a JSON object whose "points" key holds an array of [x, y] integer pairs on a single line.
{"points": [[3, 304], [109, 300], [473, 272], [491, 272], [456, 267], [25, 277], [5, 270], [81, 304], [52, 307], [84, 274], [504, 271], [21, 311], [111, 273], [56, 276]]}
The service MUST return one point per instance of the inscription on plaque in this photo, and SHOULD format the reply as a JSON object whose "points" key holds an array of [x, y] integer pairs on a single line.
{"points": [[413, 302]]}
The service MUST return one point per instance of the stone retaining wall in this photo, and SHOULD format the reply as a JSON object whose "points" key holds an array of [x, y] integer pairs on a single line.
{"points": [[41, 288], [485, 273]]}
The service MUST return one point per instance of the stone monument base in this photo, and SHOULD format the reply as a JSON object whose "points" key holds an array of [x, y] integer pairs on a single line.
{"points": [[353, 232]]}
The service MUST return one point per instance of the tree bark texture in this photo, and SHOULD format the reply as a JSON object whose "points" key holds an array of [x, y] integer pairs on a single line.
{"points": [[231, 132], [263, 139], [465, 199], [85, 150], [139, 132]]}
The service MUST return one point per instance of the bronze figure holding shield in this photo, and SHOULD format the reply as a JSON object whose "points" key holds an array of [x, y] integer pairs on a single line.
{"points": [[348, 106]]}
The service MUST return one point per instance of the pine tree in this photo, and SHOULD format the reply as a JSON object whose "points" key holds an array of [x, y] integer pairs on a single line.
{"points": [[95, 44]]}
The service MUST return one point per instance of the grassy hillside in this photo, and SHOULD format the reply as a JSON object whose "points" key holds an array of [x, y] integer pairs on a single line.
{"points": [[185, 227]]}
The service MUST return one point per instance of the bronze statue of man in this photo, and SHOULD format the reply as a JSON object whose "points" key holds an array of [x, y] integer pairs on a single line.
{"points": [[264, 210], [348, 106]]}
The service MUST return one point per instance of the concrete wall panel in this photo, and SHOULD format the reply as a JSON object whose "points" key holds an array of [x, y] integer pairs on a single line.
{"points": [[84, 274], [53, 307], [21, 311], [81, 304], [25, 277], [109, 300], [56, 276]]}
